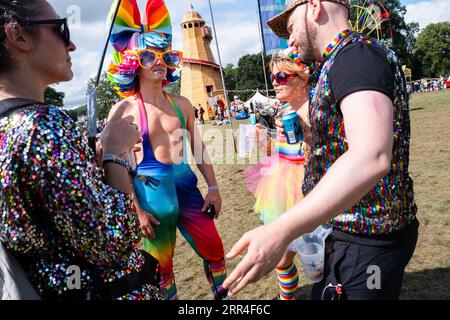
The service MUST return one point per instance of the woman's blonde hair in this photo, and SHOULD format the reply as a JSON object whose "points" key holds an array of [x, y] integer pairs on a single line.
{"points": [[284, 62]]}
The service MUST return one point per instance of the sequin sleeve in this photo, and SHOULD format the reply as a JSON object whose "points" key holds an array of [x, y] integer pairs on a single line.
{"points": [[59, 180]]}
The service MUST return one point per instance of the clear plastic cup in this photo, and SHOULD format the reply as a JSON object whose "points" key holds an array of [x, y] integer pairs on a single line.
{"points": [[311, 252]]}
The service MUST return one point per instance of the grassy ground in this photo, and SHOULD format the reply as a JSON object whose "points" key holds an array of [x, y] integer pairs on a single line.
{"points": [[428, 274]]}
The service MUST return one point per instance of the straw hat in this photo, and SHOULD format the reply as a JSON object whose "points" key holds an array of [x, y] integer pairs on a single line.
{"points": [[278, 24]]}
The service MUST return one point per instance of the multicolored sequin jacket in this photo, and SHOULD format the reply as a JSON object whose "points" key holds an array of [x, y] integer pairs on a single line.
{"points": [[389, 205], [55, 209]]}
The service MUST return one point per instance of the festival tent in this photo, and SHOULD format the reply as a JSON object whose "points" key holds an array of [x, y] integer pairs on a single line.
{"points": [[260, 98]]}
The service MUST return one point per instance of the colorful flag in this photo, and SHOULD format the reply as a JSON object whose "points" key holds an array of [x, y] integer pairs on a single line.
{"points": [[267, 10]]}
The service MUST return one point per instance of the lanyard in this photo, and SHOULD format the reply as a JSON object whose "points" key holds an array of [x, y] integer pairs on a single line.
{"points": [[334, 43]]}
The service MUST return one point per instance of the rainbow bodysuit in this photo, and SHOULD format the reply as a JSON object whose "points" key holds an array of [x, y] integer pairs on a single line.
{"points": [[170, 193]]}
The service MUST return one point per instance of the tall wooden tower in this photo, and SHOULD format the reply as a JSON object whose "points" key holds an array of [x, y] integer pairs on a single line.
{"points": [[200, 75]]}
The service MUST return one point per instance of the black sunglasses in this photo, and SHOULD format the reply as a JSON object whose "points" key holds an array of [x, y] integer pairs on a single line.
{"points": [[63, 30]]}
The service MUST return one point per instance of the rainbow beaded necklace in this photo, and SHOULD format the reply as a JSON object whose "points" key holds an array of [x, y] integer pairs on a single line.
{"points": [[335, 42]]}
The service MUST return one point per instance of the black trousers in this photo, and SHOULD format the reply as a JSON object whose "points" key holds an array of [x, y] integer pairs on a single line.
{"points": [[365, 272]]}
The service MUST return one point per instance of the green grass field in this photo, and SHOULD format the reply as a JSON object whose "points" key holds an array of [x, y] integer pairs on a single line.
{"points": [[428, 274]]}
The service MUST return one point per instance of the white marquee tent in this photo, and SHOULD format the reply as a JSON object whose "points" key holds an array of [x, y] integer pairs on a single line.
{"points": [[260, 98]]}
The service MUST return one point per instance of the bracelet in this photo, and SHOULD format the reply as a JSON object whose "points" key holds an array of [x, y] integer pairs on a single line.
{"points": [[119, 163], [213, 188], [112, 158]]}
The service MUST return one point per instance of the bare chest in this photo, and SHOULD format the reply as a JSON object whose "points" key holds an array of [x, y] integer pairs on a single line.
{"points": [[165, 134]]}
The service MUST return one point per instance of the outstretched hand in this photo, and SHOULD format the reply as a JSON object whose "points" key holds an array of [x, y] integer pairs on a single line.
{"points": [[265, 248]]}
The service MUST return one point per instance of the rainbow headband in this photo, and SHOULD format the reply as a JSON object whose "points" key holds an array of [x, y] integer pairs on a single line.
{"points": [[155, 29], [131, 33]]}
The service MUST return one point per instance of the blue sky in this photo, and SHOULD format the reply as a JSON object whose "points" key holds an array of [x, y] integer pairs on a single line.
{"points": [[236, 23]]}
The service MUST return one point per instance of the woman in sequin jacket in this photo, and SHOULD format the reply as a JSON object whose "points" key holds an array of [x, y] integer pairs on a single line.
{"points": [[74, 234]]}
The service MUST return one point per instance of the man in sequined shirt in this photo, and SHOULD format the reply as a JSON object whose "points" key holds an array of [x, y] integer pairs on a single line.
{"points": [[357, 176]]}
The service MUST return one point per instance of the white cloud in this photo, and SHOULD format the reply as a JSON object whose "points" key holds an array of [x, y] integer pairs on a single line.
{"points": [[237, 30], [427, 12], [238, 35]]}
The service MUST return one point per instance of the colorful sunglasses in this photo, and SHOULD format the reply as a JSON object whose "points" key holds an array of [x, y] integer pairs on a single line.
{"points": [[63, 27], [147, 58], [282, 77]]}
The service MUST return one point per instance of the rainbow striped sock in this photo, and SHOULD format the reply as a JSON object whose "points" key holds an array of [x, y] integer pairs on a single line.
{"points": [[167, 283], [216, 274], [287, 281]]}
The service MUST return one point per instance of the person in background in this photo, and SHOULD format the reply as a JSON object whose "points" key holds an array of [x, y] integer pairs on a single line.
{"points": [[221, 109], [277, 181], [167, 196], [202, 114], [274, 110], [195, 114], [233, 110]]}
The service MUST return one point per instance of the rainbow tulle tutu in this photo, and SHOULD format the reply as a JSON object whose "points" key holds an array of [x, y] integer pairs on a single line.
{"points": [[276, 183]]}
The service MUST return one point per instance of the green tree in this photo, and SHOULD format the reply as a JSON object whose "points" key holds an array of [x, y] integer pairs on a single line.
{"points": [[106, 96], [230, 80], [72, 114], [250, 74], [403, 33], [75, 113], [432, 50], [53, 97]]}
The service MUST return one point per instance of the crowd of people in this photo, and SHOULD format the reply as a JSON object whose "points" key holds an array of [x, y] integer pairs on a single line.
{"points": [[236, 108], [219, 110], [428, 85], [114, 214]]}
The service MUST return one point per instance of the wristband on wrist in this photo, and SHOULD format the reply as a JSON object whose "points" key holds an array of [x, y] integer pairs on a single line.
{"points": [[115, 159], [213, 188]]}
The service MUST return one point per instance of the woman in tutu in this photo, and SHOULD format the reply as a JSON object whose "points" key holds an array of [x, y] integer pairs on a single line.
{"points": [[276, 182]]}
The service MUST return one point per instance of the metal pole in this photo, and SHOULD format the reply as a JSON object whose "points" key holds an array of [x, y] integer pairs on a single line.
{"points": [[222, 75], [263, 46], [92, 94]]}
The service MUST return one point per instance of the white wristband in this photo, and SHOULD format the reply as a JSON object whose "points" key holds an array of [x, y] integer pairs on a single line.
{"points": [[213, 188]]}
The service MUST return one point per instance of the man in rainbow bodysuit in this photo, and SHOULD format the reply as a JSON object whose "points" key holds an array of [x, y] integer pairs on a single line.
{"points": [[166, 190]]}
